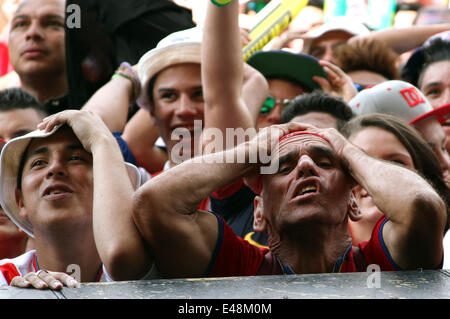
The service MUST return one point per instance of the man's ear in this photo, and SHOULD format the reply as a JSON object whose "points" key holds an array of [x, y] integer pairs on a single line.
{"points": [[19, 202], [354, 212], [259, 221]]}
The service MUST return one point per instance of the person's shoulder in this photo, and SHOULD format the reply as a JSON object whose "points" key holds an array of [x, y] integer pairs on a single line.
{"points": [[17, 266], [21, 259]]}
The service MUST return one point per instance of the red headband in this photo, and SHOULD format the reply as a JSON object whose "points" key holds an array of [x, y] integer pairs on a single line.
{"points": [[301, 133]]}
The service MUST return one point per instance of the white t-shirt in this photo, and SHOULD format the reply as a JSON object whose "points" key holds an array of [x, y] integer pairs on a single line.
{"points": [[26, 263]]}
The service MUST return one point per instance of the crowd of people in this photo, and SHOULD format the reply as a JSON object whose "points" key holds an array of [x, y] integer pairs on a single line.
{"points": [[325, 157]]}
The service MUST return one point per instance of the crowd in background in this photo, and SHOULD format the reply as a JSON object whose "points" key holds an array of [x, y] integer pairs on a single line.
{"points": [[105, 166]]}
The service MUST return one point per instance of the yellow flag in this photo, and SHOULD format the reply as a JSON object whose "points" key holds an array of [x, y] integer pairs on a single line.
{"points": [[270, 22]]}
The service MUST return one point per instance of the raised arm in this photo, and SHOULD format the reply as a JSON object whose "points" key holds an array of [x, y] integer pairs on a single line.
{"points": [[228, 98], [118, 241], [111, 102], [416, 214], [402, 40]]}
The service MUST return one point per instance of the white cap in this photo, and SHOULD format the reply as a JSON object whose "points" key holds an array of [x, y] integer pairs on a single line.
{"points": [[345, 24], [400, 99]]}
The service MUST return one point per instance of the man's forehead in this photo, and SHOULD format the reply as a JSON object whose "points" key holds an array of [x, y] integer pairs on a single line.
{"points": [[305, 142], [178, 68], [48, 6]]}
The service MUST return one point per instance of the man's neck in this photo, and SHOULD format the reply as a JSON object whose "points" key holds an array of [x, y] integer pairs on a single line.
{"points": [[312, 249], [56, 255], [45, 88]]}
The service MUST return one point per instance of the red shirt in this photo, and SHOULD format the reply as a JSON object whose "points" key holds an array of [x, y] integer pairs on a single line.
{"points": [[234, 256]]}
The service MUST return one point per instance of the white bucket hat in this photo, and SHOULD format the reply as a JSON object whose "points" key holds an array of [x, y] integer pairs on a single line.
{"points": [[10, 161], [178, 47]]}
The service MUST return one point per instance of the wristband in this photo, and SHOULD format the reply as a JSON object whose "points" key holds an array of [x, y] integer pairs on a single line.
{"points": [[126, 71], [221, 3]]}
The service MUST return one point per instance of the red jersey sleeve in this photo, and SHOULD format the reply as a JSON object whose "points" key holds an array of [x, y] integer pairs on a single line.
{"points": [[233, 255], [375, 251]]}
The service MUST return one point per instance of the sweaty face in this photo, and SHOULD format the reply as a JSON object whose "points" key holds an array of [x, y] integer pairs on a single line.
{"points": [[383, 145], [36, 38], [279, 89], [57, 182], [18, 122], [309, 186], [178, 102]]}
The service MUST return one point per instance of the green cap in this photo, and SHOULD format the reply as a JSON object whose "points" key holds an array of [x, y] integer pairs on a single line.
{"points": [[296, 67]]}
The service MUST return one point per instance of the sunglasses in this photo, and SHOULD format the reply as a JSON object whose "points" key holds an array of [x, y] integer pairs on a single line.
{"points": [[270, 103], [360, 87]]}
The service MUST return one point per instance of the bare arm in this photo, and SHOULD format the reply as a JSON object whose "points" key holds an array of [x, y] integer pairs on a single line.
{"points": [[141, 133], [402, 40], [181, 238], [111, 103], [254, 91], [118, 241], [226, 96], [416, 213]]}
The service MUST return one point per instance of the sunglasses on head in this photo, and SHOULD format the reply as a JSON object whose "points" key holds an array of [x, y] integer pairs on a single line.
{"points": [[270, 103]]}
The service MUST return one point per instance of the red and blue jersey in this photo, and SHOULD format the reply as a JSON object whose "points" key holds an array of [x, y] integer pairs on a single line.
{"points": [[234, 256]]}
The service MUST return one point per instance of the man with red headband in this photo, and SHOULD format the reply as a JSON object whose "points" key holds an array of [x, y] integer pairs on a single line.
{"points": [[304, 204]]}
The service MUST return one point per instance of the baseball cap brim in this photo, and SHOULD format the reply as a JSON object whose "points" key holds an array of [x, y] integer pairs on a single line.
{"points": [[441, 113], [298, 68], [10, 160]]}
